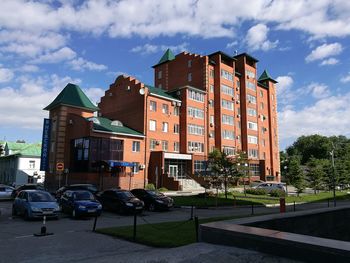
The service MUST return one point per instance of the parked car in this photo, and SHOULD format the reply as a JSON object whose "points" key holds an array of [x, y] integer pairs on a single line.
{"points": [[26, 187], [153, 200], [79, 203], [5, 191], [271, 186], [35, 204], [88, 187], [121, 201]]}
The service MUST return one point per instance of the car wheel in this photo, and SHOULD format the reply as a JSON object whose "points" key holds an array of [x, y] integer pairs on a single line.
{"points": [[151, 207]]}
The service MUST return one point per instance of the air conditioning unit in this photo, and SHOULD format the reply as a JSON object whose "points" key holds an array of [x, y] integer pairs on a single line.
{"points": [[210, 135], [237, 101], [157, 142], [249, 101], [142, 166], [238, 115], [173, 103], [238, 137], [178, 104], [233, 98], [211, 124], [247, 76], [237, 89]]}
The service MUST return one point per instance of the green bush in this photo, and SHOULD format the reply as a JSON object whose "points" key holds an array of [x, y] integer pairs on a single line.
{"points": [[256, 191], [163, 189], [277, 193], [150, 187]]}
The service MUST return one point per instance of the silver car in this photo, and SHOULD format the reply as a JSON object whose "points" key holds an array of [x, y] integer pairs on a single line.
{"points": [[271, 186], [5, 191]]}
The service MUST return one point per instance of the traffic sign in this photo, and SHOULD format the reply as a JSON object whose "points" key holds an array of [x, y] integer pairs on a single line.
{"points": [[60, 167]]}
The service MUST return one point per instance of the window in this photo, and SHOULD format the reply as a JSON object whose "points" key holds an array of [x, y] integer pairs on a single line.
{"points": [[226, 104], [159, 85], [195, 147], [211, 119], [195, 95], [252, 112], [238, 84], [229, 150], [165, 108], [263, 156], [159, 74], [195, 113], [176, 111], [252, 126], [211, 73], [165, 127], [200, 167], [227, 90], [31, 164], [136, 168], [152, 125], [251, 99], [253, 153], [261, 105], [263, 142], [227, 119], [211, 88], [254, 169], [226, 75], [152, 144], [261, 93], [211, 103], [195, 129], [252, 139], [164, 145], [176, 146], [189, 63], [135, 146], [272, 97], [251, 85], [250, 74], [211, 134], [189, 77], [176, 128], [228, 135], [153, 106]]}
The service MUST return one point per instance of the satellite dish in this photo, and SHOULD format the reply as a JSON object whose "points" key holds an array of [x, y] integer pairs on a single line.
{"points": [[142, 91]]}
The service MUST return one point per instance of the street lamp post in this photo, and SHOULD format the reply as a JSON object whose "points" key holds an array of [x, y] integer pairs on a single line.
{"points": [[333, 177], [245, 175]]}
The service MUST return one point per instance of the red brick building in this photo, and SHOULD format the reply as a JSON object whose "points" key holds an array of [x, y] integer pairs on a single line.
{"points": [[198, 103]]}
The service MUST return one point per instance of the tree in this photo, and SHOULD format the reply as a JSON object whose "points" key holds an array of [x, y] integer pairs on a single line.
{"points": [[295, 174], [1, 149], [225, 169], [316, 173]]}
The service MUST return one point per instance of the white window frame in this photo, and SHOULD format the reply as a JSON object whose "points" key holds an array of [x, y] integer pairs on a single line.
{"points": [[252, 126], [136, 146], [152, 125], [165, 127]]}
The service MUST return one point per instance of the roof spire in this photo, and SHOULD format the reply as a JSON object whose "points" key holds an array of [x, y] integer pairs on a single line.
{"points": [[168, 55], [266, 76]]}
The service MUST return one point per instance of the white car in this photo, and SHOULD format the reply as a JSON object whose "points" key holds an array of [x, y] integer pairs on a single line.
{"points": [[271, 186], [5, 191]]}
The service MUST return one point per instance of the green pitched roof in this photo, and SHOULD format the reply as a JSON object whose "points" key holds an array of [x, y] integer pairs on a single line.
{"points": [[26, 149], [72, 95], [160, 92], [104, 124], [168, 56], [265, 76]]}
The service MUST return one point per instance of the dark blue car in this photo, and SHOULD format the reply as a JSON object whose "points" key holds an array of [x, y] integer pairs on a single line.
{"points": [[80, 203]]}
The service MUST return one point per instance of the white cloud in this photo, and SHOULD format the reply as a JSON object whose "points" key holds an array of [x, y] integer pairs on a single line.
{"points": [[257, 38], [81, 64], [94, 94], [330, 61], [324, 51], [29, 68], [149, 48], [25, 108], [283, 88], [318, 91], [5, 74], [326, 117], [57, 56], [346, 78]]}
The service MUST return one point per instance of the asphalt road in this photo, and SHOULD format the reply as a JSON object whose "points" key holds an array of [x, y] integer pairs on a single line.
{"points": [[74, 241]]}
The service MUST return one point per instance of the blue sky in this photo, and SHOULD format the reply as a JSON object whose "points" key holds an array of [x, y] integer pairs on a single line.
{"points": [[303, 44]]}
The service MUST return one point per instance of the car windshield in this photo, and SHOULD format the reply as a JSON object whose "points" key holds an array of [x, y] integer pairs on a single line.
{"points": [[40, 197], [155, 194], [125, 195], [84, 196]]}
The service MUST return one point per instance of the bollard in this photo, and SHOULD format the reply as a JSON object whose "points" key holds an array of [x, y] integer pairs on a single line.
{"points": [[197, 227], [328, 202], [294, 206], [252, 209], [43, 229], [135, 220], [282, 205], [95, 221], [191, 218]]}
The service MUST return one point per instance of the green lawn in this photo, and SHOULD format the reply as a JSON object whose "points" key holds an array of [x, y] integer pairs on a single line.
{"points": [[169, 234], [254, 199]]}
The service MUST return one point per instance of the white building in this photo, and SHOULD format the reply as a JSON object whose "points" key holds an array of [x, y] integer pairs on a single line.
{"points": [[21, 164]]}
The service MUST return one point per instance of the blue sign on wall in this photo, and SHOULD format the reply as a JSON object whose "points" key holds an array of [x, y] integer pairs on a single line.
{"points": [[45, 145]]}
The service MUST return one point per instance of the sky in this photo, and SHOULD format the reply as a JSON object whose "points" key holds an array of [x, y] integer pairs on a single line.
{"points": [[304, 45]]}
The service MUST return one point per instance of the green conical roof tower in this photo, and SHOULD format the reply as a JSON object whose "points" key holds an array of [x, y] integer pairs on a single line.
{"points": [[168, 56], [72, 95], [266, 76]]}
